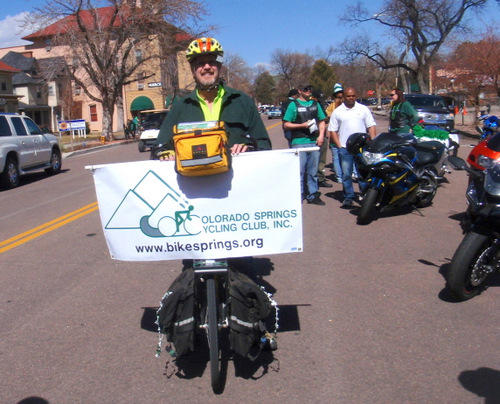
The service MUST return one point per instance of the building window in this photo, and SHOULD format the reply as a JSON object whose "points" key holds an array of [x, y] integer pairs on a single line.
{"points": [[38, 92], [3, 86], [140, 81], [138, 55], [78, 89], [93, 113]]}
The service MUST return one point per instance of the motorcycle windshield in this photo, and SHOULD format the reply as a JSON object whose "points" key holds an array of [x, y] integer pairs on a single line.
{"points": [[492, 179], [494, 143], [389, 140]]}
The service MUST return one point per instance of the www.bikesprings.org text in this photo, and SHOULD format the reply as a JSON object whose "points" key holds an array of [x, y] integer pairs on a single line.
{"points": [[176, 246]]}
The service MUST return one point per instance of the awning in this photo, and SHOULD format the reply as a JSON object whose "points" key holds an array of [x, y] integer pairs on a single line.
{"points": [[141, 103]]}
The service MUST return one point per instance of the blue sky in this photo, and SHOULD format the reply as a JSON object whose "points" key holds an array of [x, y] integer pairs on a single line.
{"points": [[254, 29]]}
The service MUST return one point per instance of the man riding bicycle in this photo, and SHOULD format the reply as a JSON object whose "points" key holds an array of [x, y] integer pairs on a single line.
{"points": [[212, 100]]}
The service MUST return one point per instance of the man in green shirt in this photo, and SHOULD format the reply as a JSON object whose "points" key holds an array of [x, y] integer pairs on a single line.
{"points": [[305, 118]]}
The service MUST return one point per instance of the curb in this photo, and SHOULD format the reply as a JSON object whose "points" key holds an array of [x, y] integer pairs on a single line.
{"points": [[96, 148]]}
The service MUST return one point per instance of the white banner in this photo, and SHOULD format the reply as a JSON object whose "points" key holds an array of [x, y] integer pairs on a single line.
{"points": [[149, 212]]}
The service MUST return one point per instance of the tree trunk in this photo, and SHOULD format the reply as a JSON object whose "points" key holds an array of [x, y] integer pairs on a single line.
{"points": [[107, 119], [120, 113]]}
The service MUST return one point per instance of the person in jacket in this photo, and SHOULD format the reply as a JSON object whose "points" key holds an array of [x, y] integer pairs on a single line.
{"points": [[306, 119], [403, 116], [212, 100], [338, 97]]}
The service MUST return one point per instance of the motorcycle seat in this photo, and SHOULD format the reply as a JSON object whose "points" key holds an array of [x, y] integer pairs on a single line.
{"points": [[428, 156]]}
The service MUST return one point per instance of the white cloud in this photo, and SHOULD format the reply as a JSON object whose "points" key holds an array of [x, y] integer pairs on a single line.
{"points": [[11, 31]]}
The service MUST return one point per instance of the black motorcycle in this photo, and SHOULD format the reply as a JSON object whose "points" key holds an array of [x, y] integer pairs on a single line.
{"points": [[477, 258], [398, 170]]}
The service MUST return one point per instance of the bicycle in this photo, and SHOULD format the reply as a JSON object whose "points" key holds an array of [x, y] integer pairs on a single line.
{"points": [[212, 282]]}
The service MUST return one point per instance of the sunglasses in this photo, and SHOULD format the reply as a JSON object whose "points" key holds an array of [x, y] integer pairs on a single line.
{"points": [[392, 94]]}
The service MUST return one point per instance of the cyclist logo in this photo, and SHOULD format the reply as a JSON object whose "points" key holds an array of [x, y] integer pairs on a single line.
{"points": [[157, 209]]}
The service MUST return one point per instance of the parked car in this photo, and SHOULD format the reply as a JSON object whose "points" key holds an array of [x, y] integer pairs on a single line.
{"points": [[25, 148], [150, 129], [273, 113], [433, 110]]}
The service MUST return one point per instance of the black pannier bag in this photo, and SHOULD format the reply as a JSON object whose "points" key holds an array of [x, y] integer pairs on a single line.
{"points": [[175, 317], [249, 306]]}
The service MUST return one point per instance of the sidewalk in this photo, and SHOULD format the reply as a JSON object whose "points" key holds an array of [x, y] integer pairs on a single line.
{"points": [[93, 145]]}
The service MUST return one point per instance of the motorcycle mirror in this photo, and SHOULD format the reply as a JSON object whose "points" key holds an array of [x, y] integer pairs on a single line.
{"points": [[457, 163]]}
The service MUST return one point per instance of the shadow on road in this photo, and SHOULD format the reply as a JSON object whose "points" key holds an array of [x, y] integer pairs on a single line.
{"points": [[484, 382]]}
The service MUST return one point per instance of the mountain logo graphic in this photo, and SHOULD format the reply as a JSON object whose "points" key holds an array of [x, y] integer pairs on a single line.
{"points": [[157, 209]]}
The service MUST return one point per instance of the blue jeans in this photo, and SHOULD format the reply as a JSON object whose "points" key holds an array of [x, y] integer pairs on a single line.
{"points": [[347, 164], [336, 162], [309, 162]]}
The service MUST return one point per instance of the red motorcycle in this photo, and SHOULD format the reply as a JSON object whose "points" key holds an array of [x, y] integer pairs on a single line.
{"points": [[485, 153]]}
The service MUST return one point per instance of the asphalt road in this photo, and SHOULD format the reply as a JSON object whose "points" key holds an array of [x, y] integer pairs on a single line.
{"points": [[364, 315]]}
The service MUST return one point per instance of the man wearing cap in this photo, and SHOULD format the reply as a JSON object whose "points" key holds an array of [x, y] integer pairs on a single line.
{"points": [[293, 94], [306, 119], [323, 150], [338, 97], [213, 101]]}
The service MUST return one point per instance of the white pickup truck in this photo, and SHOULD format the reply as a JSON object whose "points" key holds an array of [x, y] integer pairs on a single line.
{"points": [[25, 148]]}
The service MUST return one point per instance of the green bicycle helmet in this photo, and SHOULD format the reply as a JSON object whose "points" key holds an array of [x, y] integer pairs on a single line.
{"points": [[204, 46]]}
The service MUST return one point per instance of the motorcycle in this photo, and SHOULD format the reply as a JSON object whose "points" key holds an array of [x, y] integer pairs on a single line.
{"points": [[485, 152], [397, 169], [490, 126], [477, 258]]}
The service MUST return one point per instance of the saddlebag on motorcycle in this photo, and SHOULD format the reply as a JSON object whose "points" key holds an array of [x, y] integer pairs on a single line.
{"points": [[249, 306], [201, 148], [175, 317]]}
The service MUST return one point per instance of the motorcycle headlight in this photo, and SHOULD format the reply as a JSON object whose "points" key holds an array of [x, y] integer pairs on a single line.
{"points": [[449, 117], [372, 158], [492, 179], [485, 161]]}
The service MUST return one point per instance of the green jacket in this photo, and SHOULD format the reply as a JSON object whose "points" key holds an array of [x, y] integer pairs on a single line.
{"points": [[403, 117], [238, 112]]}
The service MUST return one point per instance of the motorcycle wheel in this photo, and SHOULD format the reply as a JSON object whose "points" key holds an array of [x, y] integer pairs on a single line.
{"points": [[426, 190], [476, 258], [367, 210]]}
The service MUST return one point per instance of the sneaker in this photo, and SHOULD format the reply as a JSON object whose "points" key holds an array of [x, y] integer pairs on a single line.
{"points": [[316, 201], [346, 204], [324, 184]]}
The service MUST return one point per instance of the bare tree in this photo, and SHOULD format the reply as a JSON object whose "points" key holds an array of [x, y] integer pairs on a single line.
{"points": [[237, 74], [102, 41], [420, 28], [292, 69]]}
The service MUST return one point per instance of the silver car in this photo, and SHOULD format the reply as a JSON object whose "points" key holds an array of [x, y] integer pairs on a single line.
{"points": [[25, 148], [432, 109]]}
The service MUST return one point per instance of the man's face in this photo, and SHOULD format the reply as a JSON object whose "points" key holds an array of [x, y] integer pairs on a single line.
{"points": [[206, 70], [305, 93], [349, 98]]}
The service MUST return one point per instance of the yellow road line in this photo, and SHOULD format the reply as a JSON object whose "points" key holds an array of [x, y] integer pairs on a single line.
{"points": [[274, 125], [46, 228]]}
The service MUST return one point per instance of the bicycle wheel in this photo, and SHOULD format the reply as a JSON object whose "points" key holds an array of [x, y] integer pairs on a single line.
{"points": [[213, 334]]}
